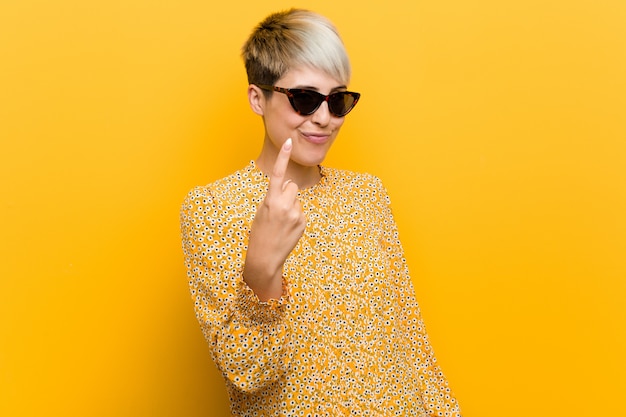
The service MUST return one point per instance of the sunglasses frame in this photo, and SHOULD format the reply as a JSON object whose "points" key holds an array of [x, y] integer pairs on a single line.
{"points": [[290, 93]]}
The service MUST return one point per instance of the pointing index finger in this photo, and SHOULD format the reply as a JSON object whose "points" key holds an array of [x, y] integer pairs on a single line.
{"points": [[280, 166]]}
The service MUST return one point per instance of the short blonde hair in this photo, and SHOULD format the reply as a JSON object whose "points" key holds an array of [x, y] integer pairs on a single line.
{"points": [[292, 38]]}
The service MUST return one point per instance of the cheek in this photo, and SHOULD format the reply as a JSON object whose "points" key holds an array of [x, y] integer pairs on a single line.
{"points": [[281, 126], [279, 114], [338, 122], [285, 115]]}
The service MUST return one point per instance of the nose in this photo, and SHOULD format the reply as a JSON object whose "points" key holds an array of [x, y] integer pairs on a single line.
{"points": [[322, 115]]}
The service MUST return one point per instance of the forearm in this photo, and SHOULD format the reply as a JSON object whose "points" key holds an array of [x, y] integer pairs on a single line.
{"points": [[250, 341]]}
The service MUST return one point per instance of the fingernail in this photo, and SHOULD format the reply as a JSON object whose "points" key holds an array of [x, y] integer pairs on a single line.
{"points": [[287, 144]]}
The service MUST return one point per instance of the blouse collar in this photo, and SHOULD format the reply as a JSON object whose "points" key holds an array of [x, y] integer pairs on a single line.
{"points": [[253, 168]]}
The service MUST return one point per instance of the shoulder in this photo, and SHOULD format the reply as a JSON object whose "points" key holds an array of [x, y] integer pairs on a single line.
{"points": [[243, 184]]}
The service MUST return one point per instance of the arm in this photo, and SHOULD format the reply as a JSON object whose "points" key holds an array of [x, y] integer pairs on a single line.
{"points": [[433, 385], [248, 339]]}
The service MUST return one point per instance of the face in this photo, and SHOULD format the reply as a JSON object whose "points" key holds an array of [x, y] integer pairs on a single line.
{"points": [[312, 135]]}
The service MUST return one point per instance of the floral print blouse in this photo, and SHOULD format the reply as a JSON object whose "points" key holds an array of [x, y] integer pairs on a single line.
{"points": [[346, 338]]}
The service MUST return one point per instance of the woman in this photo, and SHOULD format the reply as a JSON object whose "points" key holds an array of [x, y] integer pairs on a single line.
{"points": [[297, 274]]}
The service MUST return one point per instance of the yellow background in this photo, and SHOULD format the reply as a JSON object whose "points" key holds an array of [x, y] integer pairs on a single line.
{"points": [[498, 127]]}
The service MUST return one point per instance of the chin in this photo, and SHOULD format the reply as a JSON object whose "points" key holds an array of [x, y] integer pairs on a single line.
{"points": [[310, 160], [311, 156]]}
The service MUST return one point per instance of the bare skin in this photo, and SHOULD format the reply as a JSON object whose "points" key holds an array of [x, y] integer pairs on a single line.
{"points": [[277, 226]]}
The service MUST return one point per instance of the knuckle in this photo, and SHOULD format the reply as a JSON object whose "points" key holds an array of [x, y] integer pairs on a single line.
{"points": [[293, 216]]}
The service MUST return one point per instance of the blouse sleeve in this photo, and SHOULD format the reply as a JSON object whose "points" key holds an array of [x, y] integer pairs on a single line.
{"points": [[248, 339], [436, 394]]}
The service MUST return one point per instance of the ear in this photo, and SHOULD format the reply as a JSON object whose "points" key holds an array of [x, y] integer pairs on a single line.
{"points": [[256, 98]]}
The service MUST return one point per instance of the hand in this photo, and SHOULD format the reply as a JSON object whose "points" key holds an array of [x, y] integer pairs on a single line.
{"points": [[275, 231]]}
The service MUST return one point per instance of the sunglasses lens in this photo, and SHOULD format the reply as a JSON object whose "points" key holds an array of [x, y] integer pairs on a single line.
{"points": [[307, 102], [341, 103]]}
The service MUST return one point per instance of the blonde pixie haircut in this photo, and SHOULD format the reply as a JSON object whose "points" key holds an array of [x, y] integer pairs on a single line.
{"points": [[293, 38]]}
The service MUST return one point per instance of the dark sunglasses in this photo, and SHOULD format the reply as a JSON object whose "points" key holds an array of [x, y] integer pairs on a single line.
{"points": [[306, 102]]}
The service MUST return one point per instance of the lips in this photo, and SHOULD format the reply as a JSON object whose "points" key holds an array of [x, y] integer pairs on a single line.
{"points": [[317, 138]]}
